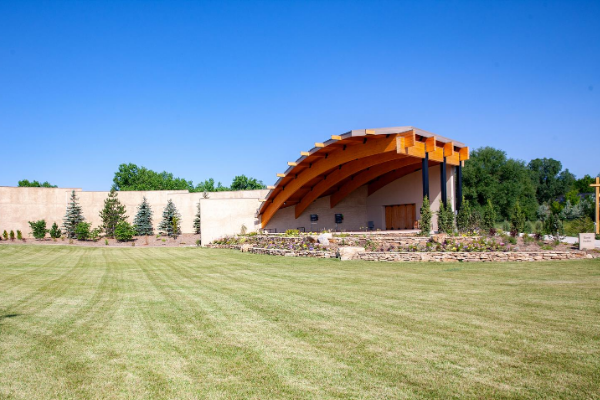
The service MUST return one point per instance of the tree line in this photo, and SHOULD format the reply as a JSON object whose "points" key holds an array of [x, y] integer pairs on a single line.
{"points": [[540, 186]]}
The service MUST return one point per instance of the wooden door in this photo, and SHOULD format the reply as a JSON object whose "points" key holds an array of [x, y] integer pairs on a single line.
{"points": [[401, 216]]}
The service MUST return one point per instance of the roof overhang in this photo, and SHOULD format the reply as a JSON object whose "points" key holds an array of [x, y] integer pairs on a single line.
{"points": [[345, 162]]}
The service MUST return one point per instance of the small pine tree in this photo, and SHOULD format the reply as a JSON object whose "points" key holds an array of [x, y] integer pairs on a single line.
{"points": [[73, 217], [55, 232], [5, 235], [12, 235], [19, 235], [517, 221], [171, 220], [142, 222], [445, 219], [489, 216], [197, 221], [426, 216], [38, 228], [112, 213]]}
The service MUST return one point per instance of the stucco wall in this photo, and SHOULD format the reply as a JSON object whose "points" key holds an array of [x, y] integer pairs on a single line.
{"points": [[353, 208], [358, 208], [19, 205], [409, 190]]}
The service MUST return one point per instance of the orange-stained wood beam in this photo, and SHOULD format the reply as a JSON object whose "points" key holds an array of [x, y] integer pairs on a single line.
{"points": [[430, 145], [448, 149], [370, 174], [342, 173], [335, 158], [390, 177], [464, 153]]}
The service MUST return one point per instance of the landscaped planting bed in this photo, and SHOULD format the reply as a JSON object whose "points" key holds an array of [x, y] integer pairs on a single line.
{"points": [[402, 248]]}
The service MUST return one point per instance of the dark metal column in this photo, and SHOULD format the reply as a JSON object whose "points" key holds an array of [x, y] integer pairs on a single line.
{"points": [[459, 194], [425, 170], [443, 182]]}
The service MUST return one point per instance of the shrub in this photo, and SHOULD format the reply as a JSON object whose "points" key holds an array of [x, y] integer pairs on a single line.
{"points": [[528, 227], [82, 230], [55, 232], [505, 226], [12, 235], [95, 233], [426, 216], [445, 219], [292, 232], [124, 231], [580, 225], [553, 226], [106, 242], [19, 235], [5, 235], [38, 228], [528, 239]]}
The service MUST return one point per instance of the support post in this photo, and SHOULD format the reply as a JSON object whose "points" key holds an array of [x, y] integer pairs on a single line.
{"points": [[459, 193], [425, 170], [597, 186], [443, 180]]}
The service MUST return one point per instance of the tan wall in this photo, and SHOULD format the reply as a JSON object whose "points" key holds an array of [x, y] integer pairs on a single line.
{"points": [[353, 207], [409, 190], [358, 208], [225, 217], [20, 205]]}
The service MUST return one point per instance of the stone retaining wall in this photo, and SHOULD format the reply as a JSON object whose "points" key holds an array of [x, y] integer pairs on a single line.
{"points": [[473, 257], [433, 256]]}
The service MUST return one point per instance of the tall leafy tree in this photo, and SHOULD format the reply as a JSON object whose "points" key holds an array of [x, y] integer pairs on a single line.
{"points": [[27, 183], [132, 177], [73, 216], [112, 213], [171, 220], [490, 175], [549, 178], [242, 182], [142, 221]]}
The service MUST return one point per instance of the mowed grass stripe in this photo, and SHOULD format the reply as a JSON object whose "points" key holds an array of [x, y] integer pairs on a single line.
{"points": [[200, 323]]}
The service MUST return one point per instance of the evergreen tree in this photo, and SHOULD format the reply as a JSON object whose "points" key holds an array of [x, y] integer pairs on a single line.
{"points": [[197, 220], [517, 221], [445, 219], [112, 213], [55, 231], [464, 219], [73, 216], [426, 216], [143, 219], [489, 216], [171, 220]]}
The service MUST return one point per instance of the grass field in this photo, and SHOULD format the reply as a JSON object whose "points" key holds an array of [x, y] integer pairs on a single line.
{"points": [[199, 323]]}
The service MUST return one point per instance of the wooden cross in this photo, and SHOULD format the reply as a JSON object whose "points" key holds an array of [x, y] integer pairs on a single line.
{"points": [[597, 186]]}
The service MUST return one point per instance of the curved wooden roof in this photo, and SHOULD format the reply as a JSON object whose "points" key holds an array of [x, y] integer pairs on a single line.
{"points": [[345, 162]]}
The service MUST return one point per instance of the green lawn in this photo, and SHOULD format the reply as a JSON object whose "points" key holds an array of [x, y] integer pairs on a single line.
{"points": [[200, 323]]}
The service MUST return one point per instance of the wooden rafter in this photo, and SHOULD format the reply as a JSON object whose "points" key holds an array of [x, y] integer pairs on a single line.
{"points": [[342, 173], [390, 177], [370, 174], [336, 158]]}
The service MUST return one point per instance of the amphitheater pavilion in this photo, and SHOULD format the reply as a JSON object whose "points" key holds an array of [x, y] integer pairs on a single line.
{"points": [[367, 179]]}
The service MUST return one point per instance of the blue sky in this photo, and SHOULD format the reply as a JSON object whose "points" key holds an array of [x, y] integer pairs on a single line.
{"points": [[218, 89]]}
